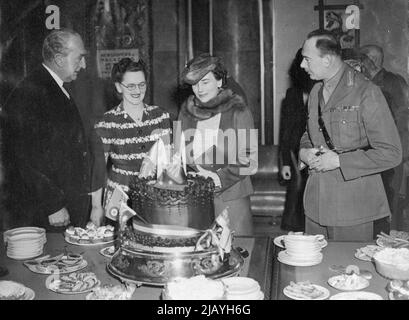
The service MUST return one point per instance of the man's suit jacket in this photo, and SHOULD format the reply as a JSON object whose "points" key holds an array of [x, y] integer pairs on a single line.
{"points": [[356, 117], [49, 162]]}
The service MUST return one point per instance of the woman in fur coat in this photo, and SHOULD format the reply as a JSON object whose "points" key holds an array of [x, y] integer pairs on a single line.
{"points": [[221, 142]]}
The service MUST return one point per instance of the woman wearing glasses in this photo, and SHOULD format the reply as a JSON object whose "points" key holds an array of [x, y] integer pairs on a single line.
{"points": [[129, 130], [222, 142]]}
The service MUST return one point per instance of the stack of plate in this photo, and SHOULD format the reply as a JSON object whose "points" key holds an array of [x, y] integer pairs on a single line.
{"points": [[24, 243], [242, 288], [301, 250]]}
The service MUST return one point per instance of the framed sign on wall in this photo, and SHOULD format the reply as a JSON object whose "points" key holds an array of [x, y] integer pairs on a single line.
{"points": [[342, 20]]}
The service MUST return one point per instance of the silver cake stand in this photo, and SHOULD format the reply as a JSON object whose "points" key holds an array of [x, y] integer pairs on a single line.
{"points": [[156, 269]]}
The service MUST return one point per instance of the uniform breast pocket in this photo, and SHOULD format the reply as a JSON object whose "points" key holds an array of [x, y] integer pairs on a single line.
{"points": [[346, 128]]}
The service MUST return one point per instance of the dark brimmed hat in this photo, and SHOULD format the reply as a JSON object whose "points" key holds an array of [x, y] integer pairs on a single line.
{"points": [[198, 67]]}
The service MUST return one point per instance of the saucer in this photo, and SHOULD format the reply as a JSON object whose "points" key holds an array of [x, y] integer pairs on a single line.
{"points": [[285, 258], [279, 242]]}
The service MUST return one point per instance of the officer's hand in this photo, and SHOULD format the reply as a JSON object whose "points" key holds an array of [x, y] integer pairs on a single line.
{"points": [[308, 156], [60, 218], [328, 160]]}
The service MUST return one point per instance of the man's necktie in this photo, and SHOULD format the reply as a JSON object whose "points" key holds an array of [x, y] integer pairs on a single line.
{"points": [[67, 89]]}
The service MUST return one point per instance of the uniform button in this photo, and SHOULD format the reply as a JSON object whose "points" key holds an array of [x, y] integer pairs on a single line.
{"points": [[84, 154], [343, 121], [320, 129]]}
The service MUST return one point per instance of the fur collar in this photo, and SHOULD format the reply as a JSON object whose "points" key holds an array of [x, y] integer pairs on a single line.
{"points": [[223, 102]]}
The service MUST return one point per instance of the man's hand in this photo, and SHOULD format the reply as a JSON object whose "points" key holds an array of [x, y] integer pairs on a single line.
{"points": [[328, 160], [286, 172], [97, 215], [60, 218]]}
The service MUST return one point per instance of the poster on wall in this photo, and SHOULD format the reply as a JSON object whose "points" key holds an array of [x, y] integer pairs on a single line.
{"points": [[107, 58], [343, 20], [335, 21]]}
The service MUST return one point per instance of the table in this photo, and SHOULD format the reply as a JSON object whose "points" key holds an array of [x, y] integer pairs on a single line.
{"points": [[257, 266], [336, 253]]}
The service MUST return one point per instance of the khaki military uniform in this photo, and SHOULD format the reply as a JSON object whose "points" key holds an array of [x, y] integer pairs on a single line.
{"points": [[356, 117]]}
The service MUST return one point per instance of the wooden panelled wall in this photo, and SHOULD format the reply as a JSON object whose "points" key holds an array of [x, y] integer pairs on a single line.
{"points": [[235, 37]]}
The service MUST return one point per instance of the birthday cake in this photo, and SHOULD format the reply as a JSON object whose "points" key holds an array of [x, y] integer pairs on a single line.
{"points": [[188, 205], [157, 254], [170, 231]]}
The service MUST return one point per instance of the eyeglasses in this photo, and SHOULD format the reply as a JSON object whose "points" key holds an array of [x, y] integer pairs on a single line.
{"points": [[132, 86]]}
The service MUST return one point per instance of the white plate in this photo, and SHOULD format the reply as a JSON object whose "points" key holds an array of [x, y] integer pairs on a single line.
{"points": [[242, 288], [356, 295], [240, 285], [284, 258], [258, 295], [51, 283], [325, 293], [88, 244], [364, 283], [23, 230], [47, 270], [279, 242], [24, 256], [106, 251]]}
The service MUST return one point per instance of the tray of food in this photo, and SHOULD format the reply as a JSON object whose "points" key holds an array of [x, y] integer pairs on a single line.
{"points": [[61, 264], [73, 283], [395, 239], [305, 290], [91, 235], [366, 253], [348, 282], [112, 292], [11, 290], [398, 290]]}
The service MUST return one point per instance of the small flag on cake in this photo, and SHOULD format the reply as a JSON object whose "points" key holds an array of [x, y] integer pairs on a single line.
{"points": [[113, 207]]}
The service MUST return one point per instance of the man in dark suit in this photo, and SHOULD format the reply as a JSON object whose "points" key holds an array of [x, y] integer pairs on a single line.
{"points": [[49, 161], [395, 90]]}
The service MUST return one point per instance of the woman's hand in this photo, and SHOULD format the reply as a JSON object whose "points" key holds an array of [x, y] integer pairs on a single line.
{"points": [[97, 215], [286, 172], [148, 168], [209, 174]]}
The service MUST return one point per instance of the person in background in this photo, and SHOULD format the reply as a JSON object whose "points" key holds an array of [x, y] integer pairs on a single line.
{"points": [[212, 113], [129, 130], [292, 127], [395, 90], [351, 137], [50, 168]]}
